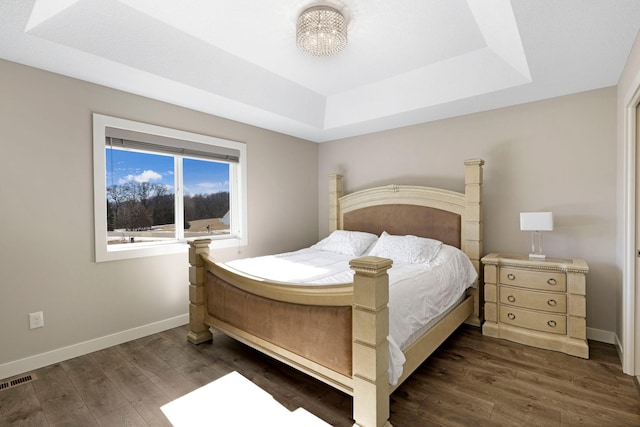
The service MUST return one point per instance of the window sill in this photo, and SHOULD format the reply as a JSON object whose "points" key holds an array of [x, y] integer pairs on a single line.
{"points": [[130, 251]]}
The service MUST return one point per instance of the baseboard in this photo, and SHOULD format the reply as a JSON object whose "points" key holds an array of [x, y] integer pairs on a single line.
{"points": [[602, 336], [38, 361], [619, 348]]}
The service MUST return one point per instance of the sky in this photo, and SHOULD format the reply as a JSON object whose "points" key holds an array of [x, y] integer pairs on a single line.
{"points": [[200, 176]]}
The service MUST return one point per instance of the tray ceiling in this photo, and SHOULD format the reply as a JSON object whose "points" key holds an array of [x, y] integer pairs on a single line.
{"points": [[406, 62]]}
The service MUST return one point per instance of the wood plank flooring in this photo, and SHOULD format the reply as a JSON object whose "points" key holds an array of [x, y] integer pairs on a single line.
{"points": [[470, 381]]}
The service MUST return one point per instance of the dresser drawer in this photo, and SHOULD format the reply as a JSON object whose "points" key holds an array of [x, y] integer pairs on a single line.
{"points": [[536, 300], [542, 280], [545, 322]]}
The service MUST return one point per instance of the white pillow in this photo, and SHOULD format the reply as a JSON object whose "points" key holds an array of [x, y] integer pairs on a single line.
{"points": [[345, 242], [408, 249]]}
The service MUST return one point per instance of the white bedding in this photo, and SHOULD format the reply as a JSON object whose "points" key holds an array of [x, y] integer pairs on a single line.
{"points": [[418, 293]]}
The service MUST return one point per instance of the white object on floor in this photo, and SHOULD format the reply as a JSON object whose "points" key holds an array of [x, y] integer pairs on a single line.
{"points": [[233, 400]]}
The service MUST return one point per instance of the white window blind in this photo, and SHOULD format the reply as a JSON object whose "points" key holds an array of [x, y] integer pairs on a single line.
{"points": [[128, 139]]}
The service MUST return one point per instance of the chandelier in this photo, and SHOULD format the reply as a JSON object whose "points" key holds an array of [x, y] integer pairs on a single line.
{"points": [[321, 31]]}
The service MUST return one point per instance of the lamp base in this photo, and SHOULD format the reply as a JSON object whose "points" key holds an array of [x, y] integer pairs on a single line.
{"points": [[536, 246]]}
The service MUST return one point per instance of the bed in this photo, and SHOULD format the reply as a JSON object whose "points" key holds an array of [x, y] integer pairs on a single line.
{"points": [[349, 322]]}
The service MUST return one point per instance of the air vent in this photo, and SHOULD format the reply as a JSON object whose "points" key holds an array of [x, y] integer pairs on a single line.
{"points": [[17, 381]]}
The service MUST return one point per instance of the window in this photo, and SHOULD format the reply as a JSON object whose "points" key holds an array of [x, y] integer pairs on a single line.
{"points": [[155, 188]]}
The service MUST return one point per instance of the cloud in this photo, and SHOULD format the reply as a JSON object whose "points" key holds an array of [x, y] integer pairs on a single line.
{"points": [[206, 187], [145, 176], [214, 185]]}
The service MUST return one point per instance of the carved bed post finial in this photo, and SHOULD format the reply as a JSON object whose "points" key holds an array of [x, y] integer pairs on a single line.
{"points": [[335, 192], [198, 331], [472, 242], [370, 346]]}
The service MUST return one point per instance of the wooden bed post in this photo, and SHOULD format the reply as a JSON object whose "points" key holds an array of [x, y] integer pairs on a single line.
{"points": [[370, 345], [472, 242], [198, 331], [335, 192]]}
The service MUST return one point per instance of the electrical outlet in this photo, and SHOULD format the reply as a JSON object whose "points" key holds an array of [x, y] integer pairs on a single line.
{"points": [[36, 320]]}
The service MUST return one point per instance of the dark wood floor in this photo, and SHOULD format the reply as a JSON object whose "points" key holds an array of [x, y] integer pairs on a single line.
{"points": [[470, 381]]}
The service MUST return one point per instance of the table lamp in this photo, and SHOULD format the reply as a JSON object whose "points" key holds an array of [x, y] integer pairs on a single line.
{"points": [[536, 222]]}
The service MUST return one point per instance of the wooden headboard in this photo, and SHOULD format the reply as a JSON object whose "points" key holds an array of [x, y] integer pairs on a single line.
{"points": [[451, 217]]}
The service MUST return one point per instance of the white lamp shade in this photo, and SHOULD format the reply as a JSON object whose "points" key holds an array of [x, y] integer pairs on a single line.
{"points": [[536, 221]]}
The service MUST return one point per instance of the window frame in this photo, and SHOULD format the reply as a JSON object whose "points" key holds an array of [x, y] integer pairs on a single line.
{"points": [[237, 192]]}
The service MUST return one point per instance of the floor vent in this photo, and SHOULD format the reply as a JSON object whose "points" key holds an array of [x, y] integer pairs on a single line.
{"points": [[17, 381]]}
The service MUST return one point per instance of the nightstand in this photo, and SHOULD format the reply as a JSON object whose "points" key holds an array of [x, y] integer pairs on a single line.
{"points": [[541, 303]]}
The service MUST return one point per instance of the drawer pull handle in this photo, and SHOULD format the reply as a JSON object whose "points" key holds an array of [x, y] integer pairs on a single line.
{"points": [[511, 316], [511, 298], [511, 276], [552, 323], [552, 281], [552, 302]]}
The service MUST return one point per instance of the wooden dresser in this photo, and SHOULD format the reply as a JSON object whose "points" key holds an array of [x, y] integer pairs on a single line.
{"points": [[541, 303]]}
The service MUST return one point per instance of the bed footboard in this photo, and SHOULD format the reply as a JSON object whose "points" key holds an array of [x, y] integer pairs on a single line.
{"points": [[320, 333], [369, 297]]}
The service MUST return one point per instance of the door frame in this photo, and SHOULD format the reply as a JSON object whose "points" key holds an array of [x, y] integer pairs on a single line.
{"points": [[630, 280]]}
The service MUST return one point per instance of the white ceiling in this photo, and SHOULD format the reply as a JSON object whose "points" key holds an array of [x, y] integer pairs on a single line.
{"points": [[407, 62]]}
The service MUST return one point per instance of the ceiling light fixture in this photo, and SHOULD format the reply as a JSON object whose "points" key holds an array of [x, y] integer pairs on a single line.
{"points": [[321, 31]]}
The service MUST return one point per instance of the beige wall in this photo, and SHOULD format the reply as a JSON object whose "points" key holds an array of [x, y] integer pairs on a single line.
{"points": [[556, 155], [46, 188]]}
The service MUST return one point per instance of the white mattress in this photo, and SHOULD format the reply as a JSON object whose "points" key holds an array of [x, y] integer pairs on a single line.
{"points": [[418, 293]]}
